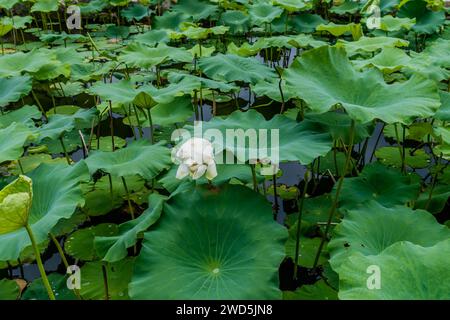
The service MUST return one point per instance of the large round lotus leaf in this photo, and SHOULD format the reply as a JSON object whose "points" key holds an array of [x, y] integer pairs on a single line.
{"points": [[211, 244], [261, 13], [31, 162], [236, 20], [56, 127], [98, 194], [8, 4], [196, 9], [413, 158], [427, 21], [136, 12], [444, 111], [408, 272], [317, 291], [390, 23], [80, 244], [56, 195], [12, 89], [372, 229], [114, 248], [322, 77], [340, 29], [119, 92], [139, 157], [58, 282], [12, 140], [118, 276], [15, 204], [388, 61], [306, 22], [143, 56], [297, 141], [387, 186], [371, 44], [229, 68], [24, 115], [293, 5], [45, 6], [33, 61], [9, 290], [338, 124], [307, 250]]}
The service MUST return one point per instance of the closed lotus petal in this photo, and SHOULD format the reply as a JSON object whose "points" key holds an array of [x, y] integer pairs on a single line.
{"points": [[182, 172], [199, 172], [211, 172]]}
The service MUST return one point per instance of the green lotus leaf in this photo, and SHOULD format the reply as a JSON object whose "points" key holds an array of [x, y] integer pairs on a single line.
{"points": [[317, 291], [200, 51], [17, 22], [387, 186], [293, 5], [196, 9], [31, 62], [307, 250], [437, 202], [204, 248], [427, 21], [340, 29], [346, 7], [56, 195], [58, 282], [105, 143], [229, 68], [390, 23], [80, 244], [169, 20], [123, 92], [57, 126], [413, 158], [12, 141], [114, 248], [301, 142], [5, 28], [24, 115], [139, 157], [225, 173], [15, 204], [45, 6], [93, 6], [373, 228], [8, 4], [270, 88], [97, 195], [117, 32], [337, 125], [86, 72], [153, 37], [136, 12], [143, 56], [12, 89], [236, 20], [322, 77], [389, 60], [118, 276], [31, 162], [261, 13], [176, 77], [366, 44], [306, 22], [179, 110], [408, 272], [9, 290], [166, 95]]}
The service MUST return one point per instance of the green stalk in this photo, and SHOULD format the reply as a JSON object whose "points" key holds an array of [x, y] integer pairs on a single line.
{"points": [[152, 131], [338, 191], [299, 224], [130, 207], [64, 150], [275, 196], [45, 281], [105, 281], [400, 148], [255, 183]]}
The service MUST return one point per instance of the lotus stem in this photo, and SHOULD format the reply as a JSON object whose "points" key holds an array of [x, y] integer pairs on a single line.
{"points": [[45, 281], [338, 191], [20, 166], [105, 281], [376, 142], [275, 197], [400, 148], [255, 183], [152, 131], [111, 126], [64, 150], [299, 224], [130, 207]]}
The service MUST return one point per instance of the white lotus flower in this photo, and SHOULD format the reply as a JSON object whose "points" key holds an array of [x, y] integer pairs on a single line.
{"points": [[196, 157]]}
